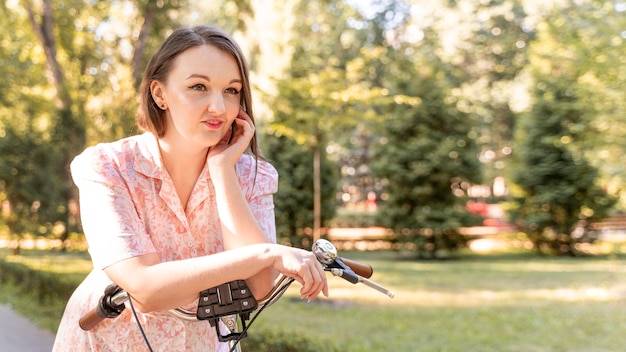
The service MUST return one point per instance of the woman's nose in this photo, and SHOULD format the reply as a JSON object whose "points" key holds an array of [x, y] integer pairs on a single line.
{"points": [[216, 103]]}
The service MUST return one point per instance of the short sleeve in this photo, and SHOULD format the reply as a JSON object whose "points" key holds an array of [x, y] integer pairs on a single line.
{"points": [[259, 182], [109, 218]]}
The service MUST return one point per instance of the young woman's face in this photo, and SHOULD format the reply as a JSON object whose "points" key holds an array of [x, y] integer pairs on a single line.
{"points": [[202, 95]]}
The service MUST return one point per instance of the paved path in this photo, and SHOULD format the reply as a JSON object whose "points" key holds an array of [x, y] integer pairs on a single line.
{"points": [[18, 334]]}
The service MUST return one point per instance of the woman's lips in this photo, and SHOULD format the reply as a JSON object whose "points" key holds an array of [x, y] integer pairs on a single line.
{"points": [[213, 124]]}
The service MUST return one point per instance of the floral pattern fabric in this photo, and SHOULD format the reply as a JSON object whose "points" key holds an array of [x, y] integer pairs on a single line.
{"points": [[129, 207]]}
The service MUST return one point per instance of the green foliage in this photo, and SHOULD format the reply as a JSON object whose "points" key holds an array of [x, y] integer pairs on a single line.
{"points": [[566, 134], [316, 100], [495, 55], [308, 110], [65, 87], [47, 287], [559, 195], [581, 45], [31, 192], [41, 294], [424, 152], [353, 68], [294, 200]]}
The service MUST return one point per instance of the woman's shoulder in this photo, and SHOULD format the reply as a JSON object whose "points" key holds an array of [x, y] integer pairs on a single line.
{"points": [[117, 154], [257, 174], [250, 165], [121, 146]]}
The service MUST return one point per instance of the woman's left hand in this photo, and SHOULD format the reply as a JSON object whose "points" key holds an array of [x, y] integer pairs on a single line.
{"points": [[234, 144]]}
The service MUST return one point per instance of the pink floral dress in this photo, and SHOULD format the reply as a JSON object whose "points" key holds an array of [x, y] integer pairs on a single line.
{"points": [[129, 207]]}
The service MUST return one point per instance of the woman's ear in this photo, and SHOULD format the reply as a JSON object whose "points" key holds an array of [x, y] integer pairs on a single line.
{"points": [[156, 90]]}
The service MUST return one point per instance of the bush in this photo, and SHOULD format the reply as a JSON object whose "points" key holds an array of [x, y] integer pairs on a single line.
{"points": [[39, 295], [46, 287]]}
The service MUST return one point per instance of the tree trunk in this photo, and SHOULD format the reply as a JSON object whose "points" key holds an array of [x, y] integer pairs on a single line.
{"points": [[140, 46], [317, 193], [68, 129], [45, 34]]}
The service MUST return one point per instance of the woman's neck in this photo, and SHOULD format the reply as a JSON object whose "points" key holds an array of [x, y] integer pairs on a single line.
{"points": [[177, 157], [184, 165]]}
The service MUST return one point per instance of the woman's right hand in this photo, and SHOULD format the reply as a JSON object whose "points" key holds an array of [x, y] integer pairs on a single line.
{"points": [[304, 267], [227, 153]]}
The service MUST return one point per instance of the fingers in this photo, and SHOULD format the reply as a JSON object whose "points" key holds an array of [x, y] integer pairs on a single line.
{"points": [[245, 127], [226, 138], [235, 141], [242, 114], [313, 279], [304, 268]]}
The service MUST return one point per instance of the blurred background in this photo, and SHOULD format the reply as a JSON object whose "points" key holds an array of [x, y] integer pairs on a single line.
{"points": [[415, 130], [416, 118]]}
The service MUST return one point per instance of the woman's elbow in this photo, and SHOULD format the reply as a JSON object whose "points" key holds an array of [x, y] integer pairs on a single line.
{"points": [[262, 284]]}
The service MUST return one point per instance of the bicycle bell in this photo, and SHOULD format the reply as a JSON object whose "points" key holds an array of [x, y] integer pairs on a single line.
{"points": [[325, 251]]}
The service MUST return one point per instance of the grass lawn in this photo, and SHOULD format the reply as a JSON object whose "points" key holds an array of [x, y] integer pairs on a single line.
{"points": [[504, 302], [74, 266], [478, 303]]}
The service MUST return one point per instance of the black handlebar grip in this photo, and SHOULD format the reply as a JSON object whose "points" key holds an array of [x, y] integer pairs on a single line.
{"points": [[91, 319], [361, 269]]}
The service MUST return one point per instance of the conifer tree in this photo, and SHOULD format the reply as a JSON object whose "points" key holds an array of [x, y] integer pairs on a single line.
{"points": [[426, 158], [558, 194]]}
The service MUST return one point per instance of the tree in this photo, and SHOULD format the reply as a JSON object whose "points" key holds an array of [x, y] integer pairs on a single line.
{"points": [[295, 196], [426, 156], [559, 196], [30, 186], [560, 191], [587, 41], [493, 61], [312, 100], [31, 190], [70, 69]]}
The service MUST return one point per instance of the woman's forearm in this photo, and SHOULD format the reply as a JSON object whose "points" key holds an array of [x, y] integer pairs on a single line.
{"points": [[158, 286]]}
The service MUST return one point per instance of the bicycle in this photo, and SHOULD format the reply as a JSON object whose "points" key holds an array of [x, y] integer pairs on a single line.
{"points": [[232, 303]]}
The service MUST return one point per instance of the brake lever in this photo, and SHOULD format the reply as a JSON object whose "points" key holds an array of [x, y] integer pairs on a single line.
{"points": [[342, 270]]}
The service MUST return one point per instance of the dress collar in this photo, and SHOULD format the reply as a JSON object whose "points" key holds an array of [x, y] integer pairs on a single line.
{"points": [[148, 160]]}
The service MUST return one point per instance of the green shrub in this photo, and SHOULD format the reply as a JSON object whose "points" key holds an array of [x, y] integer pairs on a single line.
{"points": [[46, 287], [37, 294]]}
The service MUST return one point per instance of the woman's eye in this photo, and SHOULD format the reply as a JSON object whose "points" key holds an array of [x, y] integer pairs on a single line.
{"points": [[198, 87], [232, 91]]}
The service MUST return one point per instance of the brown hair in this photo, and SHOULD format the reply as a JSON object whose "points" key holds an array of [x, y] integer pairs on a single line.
{"points": [[150, 117]]}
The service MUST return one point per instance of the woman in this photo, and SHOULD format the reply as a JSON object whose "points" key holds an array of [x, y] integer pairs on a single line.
{"points": [[183, 207]]}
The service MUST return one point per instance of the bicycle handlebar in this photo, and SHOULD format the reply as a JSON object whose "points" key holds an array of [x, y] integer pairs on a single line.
{"points": [[90, 320], [111, 304], [361, 269]]}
